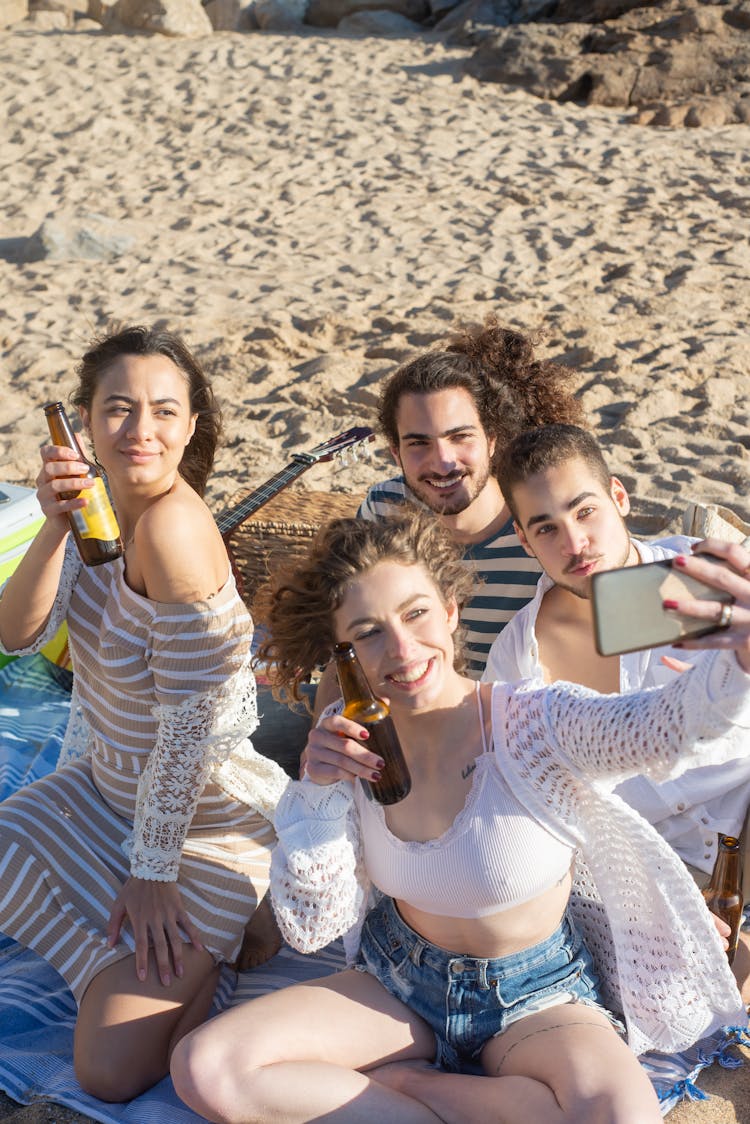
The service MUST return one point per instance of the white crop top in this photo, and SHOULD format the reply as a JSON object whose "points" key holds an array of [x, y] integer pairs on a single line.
{"points": [[493, 856]]}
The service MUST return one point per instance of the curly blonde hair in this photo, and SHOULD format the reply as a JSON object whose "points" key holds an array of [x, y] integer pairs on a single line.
{"points": [[297, 608]]}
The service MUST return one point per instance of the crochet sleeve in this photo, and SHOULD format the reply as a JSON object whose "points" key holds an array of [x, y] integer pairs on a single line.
{"points": [[318, 888], [613, 737], [71, 568], [205, 706]]}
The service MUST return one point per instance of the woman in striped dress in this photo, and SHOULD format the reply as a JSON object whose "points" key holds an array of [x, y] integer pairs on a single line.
{"points": [[134, 868]]}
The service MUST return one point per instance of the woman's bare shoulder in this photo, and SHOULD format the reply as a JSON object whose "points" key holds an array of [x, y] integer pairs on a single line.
{"points": [[181, 555]]}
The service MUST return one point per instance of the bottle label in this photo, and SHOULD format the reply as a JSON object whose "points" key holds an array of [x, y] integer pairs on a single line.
{"points": [[97, 519]]}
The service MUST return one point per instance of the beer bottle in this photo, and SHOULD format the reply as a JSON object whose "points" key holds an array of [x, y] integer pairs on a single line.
{"points": [[361, 705], [94, 526], [723, 893]]}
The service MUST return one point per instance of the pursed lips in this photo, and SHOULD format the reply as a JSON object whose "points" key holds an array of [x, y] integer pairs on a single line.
{"points": [[584, 564]]}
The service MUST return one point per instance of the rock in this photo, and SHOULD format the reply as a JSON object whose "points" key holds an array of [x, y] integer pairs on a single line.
{"points": [[90, 237], [86, 24], [279, 15], [533, 62], [99, 10], [68, 6], [50, 20], [177, 18], [594, 11], [378, 23], [231, 15], [675, 62], [474, 20], [13, 11], [329, 13]]}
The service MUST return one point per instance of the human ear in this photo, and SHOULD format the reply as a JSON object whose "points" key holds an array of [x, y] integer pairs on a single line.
{"points": [[191, 431], [451, 610], [522, 539], [620, 497], [396, 457]]}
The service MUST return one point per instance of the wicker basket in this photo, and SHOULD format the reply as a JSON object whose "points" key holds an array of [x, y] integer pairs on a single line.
{"points": [[282, 531]]}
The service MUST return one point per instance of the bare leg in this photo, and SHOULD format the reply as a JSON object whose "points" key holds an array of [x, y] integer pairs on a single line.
{"points": [[126, 1029], [301, 1054], [262, 938], [563, 1066]]}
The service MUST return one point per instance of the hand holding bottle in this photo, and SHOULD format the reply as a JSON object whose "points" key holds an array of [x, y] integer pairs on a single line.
{"points": [[62, 476], [334, 752], [93, 521]]}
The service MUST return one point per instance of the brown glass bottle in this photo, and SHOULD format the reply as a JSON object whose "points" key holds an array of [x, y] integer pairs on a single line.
{"points": [[723, 893], [94, 526], [361, 705]]}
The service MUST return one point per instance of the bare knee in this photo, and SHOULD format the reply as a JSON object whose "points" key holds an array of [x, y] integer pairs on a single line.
{"points": [[212, 1082], [111, 1078]]}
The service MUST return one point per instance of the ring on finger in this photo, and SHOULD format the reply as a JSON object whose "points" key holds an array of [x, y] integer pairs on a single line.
{"points": [[724, 618]]}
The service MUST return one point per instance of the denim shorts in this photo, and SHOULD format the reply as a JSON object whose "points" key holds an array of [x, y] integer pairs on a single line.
{"points": [[467, 1000]]}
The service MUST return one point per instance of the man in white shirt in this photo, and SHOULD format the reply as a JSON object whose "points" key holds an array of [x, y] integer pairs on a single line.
{"points": [[569, 514]]}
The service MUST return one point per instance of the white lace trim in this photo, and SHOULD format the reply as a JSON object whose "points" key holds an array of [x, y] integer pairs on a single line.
{"points": [[318, 885], [194, 738], [71, 568], [78, 738]]}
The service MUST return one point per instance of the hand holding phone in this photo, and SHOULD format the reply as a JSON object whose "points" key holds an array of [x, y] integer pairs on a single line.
{"points": [[628, 607]]}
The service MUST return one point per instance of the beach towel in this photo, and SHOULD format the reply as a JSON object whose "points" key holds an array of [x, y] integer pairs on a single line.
{"points": [[37, 1011]]}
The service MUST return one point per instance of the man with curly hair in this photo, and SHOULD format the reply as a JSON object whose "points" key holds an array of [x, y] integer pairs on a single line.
{"points": [[447, 416]]}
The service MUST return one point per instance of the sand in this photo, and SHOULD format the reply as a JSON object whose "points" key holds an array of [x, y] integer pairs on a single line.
{"points": [[311, 209]]}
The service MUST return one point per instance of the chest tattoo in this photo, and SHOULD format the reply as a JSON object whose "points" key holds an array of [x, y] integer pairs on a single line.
{"points": [[468, 770]]}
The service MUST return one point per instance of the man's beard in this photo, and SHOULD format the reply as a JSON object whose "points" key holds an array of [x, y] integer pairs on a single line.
{"points": [[474, 483]]}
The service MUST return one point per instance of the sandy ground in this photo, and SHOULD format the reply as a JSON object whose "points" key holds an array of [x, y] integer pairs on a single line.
{"points": [[309, 210]]}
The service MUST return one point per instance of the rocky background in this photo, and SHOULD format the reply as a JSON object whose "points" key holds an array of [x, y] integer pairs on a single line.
{"points": [[670, 62]]}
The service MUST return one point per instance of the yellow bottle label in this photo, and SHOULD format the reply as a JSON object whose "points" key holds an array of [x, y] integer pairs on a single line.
{"points": [[97, 519]]}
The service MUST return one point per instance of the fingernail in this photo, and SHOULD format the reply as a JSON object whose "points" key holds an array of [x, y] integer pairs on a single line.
{"points": [[166, 980], [679, 560], [380, 765], [179, 972], [669, 604], [141, 974], [364, 735], [376, 776]]}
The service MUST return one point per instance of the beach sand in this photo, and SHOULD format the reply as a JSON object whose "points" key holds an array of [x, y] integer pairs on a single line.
{"points": [[311, 209]]}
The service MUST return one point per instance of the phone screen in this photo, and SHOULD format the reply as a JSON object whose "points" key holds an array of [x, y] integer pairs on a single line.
{"points": [[628, 611]]}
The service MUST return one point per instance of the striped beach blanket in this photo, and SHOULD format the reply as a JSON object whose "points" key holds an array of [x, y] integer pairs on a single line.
{"points": [[37, 1010]]}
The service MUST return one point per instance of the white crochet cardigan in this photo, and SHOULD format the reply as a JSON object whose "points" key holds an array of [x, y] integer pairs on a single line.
{"points": [[564, 749]]}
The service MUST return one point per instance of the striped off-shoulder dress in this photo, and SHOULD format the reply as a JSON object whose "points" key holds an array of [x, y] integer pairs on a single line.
{"points": [[158, 777]]}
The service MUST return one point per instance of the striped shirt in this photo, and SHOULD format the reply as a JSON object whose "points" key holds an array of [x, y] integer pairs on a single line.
{"points": [[505, 577]]}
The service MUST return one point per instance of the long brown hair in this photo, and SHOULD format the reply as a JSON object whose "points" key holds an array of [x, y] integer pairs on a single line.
{"points": [[198, 458], [511, 389]]}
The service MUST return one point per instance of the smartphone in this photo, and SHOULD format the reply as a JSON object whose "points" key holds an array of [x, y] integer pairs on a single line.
{"points": [[628, 612]]}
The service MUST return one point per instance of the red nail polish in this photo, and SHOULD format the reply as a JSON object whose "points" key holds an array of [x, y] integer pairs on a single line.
{"points": [[679, 560], [364, 735], [669, 604]]}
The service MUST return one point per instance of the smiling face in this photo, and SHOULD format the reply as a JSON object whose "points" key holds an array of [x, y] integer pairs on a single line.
{"points": [[572, 524], [140, 421], [443, 451], [402, 633]]}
